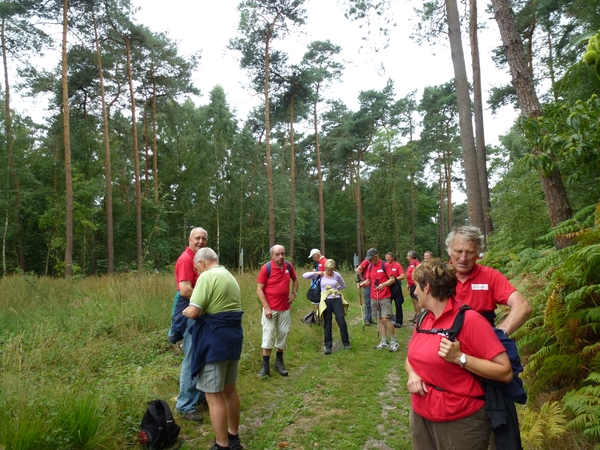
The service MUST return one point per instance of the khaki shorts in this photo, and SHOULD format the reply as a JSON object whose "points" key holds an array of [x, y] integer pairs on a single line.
{"points": [[275, 330], [214, 376], [382, 308]]}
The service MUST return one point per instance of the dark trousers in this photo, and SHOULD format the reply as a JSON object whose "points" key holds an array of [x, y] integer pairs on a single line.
{"points": [[335, 307], [398, 301]]}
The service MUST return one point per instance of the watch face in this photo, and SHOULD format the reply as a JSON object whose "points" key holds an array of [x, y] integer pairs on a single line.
{"points": [[463, 359]]}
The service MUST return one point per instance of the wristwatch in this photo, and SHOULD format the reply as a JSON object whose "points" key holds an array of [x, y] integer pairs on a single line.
{"points": [[463, 360], [295, 293]]}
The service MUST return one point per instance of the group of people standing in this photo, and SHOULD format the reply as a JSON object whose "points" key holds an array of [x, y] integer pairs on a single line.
{"points": [[448, 400]]}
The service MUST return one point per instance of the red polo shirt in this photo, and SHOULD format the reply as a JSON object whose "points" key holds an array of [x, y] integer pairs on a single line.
{"points": [[457, 392], [409, 270], [484, 289], [277, 286], [377, 275], [184, 268]]}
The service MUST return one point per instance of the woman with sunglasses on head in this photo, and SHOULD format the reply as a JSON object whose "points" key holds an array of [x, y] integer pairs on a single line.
{"points": [[447, 397]]}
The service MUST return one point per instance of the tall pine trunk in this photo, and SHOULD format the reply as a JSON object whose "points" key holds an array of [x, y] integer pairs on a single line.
{"points": [[465, 117], [67, 146], [268, 149], [108, 201], [478, 113], [554, 189], [11, 167], [292, 174], [136, 160], [319, 177]]}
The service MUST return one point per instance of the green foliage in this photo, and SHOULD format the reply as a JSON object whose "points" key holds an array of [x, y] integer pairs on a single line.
{"points": [[561, 336], [591, 57], [541, 430], [584, 403]]}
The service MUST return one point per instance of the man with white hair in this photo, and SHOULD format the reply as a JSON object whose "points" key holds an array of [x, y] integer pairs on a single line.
{"points": [[482, 287], [217, 337]]}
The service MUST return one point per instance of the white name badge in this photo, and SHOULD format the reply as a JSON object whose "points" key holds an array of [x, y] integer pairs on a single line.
{"points": [[479, 287]]}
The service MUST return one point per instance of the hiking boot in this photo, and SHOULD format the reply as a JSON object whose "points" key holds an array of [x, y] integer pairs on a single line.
{"points": [[264, 371], [394, 346], [327, 351], [234, 442], [373, 322], [397, 325], [280, 368], [192, 415], [382, 346], [216, 447], [347, 347]]}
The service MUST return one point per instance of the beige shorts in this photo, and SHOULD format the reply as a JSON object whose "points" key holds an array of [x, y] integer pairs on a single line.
{"points": [[382, 308], [275, 330]]}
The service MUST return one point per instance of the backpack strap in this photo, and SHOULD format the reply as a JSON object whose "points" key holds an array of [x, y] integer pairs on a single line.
{"points": [[172, 427], [268, 266], [449, 333]]}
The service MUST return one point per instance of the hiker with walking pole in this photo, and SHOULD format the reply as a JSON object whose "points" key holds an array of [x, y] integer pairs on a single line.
{"points": [[380, 277]]}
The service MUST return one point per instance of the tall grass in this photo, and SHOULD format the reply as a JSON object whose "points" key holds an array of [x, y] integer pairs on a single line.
{"points": [[81, 358]]}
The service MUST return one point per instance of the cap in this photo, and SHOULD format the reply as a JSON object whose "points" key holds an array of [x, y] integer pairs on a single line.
{"points": [[370, 253], [314, 251]]}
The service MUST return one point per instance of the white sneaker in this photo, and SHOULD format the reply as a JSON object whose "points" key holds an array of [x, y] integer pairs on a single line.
{"points": [[394, 346], [381, 346]]}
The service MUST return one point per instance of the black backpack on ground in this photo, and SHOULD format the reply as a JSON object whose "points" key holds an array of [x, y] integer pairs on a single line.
{"points": [[158, 427]]}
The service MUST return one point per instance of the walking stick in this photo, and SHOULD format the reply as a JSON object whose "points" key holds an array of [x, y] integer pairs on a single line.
{"points": [[378, 306], [362, 313]]}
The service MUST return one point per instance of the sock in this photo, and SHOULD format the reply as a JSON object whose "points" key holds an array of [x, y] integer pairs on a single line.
{"points": [[394, 339], [279, 356], [384, 340], [233, 437], [266, 358]]}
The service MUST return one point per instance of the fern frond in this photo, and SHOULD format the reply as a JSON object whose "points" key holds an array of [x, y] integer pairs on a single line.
{"points": [[581, 297], [585, 405]]}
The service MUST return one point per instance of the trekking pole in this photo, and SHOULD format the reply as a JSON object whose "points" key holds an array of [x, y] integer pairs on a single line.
{"points": [[377, 306], [362, 313]]}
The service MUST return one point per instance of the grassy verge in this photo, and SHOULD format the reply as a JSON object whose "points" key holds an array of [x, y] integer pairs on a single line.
{"points": [[80, 359]]}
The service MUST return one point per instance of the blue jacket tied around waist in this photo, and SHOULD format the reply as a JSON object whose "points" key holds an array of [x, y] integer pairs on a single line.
{"points": [[216, 337]]}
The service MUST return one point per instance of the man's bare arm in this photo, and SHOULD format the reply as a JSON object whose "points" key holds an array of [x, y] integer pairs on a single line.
{"points": [[520, 310], [185, 288]]}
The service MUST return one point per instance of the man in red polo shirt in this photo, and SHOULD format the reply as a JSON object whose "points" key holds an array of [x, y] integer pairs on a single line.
{"points": [[273, 291], [380, 277], [481, 287], [318, 258], [185, 277]]}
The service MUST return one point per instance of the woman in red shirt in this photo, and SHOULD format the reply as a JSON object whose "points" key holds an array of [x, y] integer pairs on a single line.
{"points": [[448, 400]]}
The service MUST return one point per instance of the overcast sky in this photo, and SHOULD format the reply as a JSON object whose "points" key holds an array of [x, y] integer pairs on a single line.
{"points": [[207, 26]]}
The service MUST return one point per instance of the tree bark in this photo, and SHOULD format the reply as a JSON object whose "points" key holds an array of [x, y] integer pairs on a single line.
{"points": [[268, 148], [136, 160], [12, 167], [292, 174], [553, 186], [319, 177], [108, 201], [67, 146], [465, 117], [478, 113]]}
